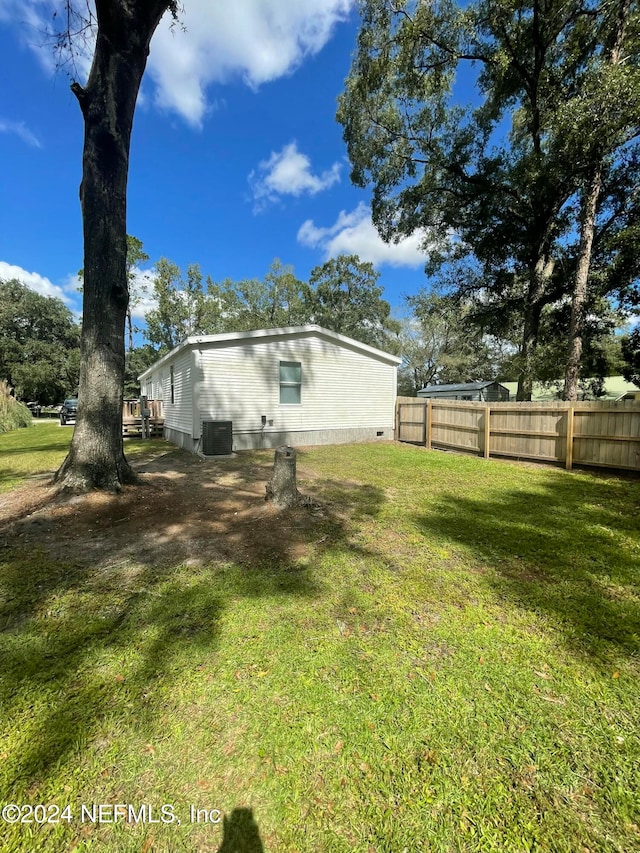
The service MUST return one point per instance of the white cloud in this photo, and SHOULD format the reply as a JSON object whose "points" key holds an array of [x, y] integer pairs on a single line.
{"points": [[288, 172], [40, 283], [21, 130], [255, 40], [29, 13], [355, 234], [141, 289], [143, 299]]}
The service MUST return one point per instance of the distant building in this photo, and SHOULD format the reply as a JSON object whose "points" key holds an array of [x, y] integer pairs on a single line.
{"points": [[490, 392]]}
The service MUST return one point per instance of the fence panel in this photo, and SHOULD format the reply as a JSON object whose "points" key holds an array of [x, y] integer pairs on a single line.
{"points": [[582, 433], [457, 425], [608, 436], [529, 431], [412, 422]]}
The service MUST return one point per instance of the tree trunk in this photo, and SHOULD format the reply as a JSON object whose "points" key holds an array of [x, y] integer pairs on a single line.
{"points": [[96, 457], [589, 209], [527, 352], [281, 488], [129, 327], [538, 285], [579, 296]]}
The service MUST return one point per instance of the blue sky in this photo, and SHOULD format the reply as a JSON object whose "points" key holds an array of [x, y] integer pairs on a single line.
{"points": [[236, 155]]}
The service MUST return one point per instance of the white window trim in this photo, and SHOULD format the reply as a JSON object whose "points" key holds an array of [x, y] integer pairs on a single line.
{"points": [[282, 384]]}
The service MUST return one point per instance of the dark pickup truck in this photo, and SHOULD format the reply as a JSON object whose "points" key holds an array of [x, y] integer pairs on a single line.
{"points": [[68, 411]]}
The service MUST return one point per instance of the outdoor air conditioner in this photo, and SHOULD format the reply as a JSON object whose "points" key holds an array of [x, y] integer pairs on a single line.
{"points": [[217, 438]]}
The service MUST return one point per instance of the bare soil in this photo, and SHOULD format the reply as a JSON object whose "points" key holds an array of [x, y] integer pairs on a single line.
{"points": [[185, 509]]}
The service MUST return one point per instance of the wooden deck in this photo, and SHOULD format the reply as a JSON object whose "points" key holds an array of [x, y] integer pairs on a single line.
{"points": [[132, 428], [133, 425]]}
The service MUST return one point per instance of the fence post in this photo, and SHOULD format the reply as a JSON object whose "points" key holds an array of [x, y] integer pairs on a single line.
{"points": [[569, 449], [487, 430], [428, 416]]}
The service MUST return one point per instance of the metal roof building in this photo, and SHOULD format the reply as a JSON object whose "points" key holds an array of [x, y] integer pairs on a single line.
{"points": [[492, 392]]}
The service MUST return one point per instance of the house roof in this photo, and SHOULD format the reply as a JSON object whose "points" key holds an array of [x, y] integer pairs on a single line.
{"points": [[465, 386], [259, 335]]}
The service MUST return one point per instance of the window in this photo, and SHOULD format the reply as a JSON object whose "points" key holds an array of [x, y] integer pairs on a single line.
{"points": [[173, 399], [290, 382]]}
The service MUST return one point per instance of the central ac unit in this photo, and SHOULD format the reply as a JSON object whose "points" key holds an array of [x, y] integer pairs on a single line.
{"points": [[217, 438]]}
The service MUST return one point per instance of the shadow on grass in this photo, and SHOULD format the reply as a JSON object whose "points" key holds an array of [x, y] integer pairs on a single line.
{"points": [[241, 833], [100, 599], [569, 549], [72, 664]]}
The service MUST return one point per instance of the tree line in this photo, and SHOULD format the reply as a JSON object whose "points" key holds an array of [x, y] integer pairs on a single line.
{"points": [[39, 338], [39, 345], [441, 337], [342, 295], [438, 336]]}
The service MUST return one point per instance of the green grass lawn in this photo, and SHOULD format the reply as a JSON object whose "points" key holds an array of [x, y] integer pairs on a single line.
{"points": [[451, 666], [40, 449]]}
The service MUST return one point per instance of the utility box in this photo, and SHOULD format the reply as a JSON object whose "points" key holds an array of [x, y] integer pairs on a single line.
{"points": [[217, 438]]}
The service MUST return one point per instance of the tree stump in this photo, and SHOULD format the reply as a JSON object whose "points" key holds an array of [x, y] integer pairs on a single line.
{"points": [[281, 488]]}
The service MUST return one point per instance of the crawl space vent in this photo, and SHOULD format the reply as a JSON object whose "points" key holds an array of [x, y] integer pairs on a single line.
{"points": [[217, 438]]}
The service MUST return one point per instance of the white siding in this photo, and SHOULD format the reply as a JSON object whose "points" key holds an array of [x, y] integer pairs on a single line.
{"points": [[342, 387], [178, 415]]}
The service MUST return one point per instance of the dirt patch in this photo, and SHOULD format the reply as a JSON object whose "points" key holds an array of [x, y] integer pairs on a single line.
{"points": [[185, 510]]}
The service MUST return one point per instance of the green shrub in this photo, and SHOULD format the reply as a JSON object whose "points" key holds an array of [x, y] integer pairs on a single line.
{"points": [[13, 414]]}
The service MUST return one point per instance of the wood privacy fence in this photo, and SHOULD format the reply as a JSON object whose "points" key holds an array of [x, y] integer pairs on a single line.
{"points": [[589, 433]]}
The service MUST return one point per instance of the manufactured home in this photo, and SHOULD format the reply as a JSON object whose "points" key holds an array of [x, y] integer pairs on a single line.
{"points": [[299, 385]]}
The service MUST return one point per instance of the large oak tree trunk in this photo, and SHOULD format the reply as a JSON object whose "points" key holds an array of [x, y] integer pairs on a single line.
{"points": [[527, 351], [589, 210], [540, 278], [125, 27], [579, 296]]}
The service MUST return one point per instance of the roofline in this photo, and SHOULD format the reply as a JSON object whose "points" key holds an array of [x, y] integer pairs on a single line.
{"points": [[198, 340], [460, 385]]}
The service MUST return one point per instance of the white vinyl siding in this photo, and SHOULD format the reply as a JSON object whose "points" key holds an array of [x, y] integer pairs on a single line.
{"points": [[342, 387], [178, 414]]}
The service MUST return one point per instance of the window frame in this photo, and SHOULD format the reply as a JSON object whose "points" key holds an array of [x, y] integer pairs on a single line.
{"points": [[288, 384]]}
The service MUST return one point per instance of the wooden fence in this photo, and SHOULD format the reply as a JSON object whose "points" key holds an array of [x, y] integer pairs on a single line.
{"points": [[589, 433]]}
